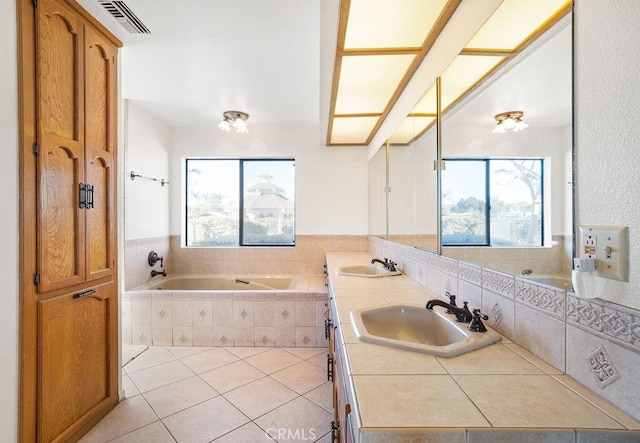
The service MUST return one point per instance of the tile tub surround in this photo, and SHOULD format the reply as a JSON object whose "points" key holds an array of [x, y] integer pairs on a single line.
{"points": [[225, 318], [501, 393], [137, 271], [555, 325], [306, 257]]}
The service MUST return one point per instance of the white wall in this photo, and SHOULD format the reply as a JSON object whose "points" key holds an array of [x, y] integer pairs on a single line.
{"points": [[331, 183], [607, 62], [147, 143], [8, 224]]}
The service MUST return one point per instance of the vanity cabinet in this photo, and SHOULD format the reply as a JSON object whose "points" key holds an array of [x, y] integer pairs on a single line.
{"points": [[340, 426], [69, 275]]}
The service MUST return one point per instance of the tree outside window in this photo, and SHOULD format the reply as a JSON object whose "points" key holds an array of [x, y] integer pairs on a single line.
{"points": [[494, 202], [240, 202]]}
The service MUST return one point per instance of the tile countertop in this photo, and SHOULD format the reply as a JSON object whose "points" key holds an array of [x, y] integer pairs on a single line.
{"points": [[500, 393]]}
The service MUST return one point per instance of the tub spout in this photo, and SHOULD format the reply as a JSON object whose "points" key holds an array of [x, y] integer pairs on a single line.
{"points": [[154, 273]]}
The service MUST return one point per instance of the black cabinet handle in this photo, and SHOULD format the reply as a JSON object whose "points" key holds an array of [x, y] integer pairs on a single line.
{"points": [[89, 196], [327, 325], [84, 293], [85, 196], [82, 196]]}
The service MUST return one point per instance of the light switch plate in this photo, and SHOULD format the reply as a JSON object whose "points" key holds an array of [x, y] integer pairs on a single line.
{"points": [[609, 246]]}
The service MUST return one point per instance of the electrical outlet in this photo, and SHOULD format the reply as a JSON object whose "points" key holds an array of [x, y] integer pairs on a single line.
{"points": [[609, 246]]}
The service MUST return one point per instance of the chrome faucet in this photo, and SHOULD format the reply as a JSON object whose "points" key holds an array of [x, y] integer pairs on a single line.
{"points": [[462, 314], [389, 264], [154, 273]]}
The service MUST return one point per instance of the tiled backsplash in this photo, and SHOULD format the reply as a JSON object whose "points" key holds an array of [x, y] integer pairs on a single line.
{"points": [[595, 342], [137, 271], [307, 257], [233, 318]]}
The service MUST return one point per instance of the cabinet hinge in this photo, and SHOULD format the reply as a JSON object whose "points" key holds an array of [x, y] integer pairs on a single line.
{"points": [[36, 278], [35, 148]]}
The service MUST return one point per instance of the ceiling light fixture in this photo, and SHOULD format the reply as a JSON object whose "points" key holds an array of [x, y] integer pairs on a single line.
{"points": [[235, 119], [511, 120]]}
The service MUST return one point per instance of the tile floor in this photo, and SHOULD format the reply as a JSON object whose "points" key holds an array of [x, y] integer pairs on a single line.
{"points": [[222, 395]]}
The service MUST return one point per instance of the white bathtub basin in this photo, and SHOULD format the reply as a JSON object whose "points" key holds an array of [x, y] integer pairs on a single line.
{"points": [[416, 328], [559, 281], [366, 271]]}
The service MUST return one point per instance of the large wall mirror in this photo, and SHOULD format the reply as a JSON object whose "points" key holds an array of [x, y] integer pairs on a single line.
{"points": [[507, 195], [523, 177]]}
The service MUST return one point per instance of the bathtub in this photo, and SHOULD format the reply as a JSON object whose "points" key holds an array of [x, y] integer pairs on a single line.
{"points": [[227, 310], [556, 280], [235, 283]]}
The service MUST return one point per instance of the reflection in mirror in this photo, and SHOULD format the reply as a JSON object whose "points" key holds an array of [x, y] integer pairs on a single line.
{"points": [[377, 175], [426, 217], [401, 195], [523, 226]]}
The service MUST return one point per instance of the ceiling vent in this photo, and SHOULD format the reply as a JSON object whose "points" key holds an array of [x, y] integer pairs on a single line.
{"points": [[121, 12]]}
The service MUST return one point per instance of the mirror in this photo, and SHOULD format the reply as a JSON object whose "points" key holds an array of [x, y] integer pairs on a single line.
{"points": [[377, 198], [408, 213], [538, 81], [535, 227]]}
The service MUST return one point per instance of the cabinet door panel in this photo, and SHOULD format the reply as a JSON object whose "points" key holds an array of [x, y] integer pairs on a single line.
{"points": [[76, 377], [100, 222], [60, 222], [58, 58], [100, 138]]}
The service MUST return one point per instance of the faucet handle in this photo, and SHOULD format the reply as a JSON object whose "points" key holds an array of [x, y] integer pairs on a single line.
{"points": [[452, 298], [476, 324]]}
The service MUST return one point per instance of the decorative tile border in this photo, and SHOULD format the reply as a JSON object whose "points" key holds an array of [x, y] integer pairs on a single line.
{"points": [[608, 321], [470, 273], [499, 282], [547, 298], [449, 265]]}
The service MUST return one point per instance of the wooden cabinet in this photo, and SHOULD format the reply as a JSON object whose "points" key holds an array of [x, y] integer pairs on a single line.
{"points": [[69, 294], [340, 426], [74, 348], [76, 84]]}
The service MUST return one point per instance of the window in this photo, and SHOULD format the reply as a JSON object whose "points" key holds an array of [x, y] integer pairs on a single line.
{"points": [[240, 202], [496, 202]]}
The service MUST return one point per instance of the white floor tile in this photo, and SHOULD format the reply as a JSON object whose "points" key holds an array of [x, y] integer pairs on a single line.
{"points": [[298, 421], [205, 361], [260, 397], [301, 377], [184, 351], [160, 375], [232, 376], [183, 386], [273, 360], [175, 397], [153, 433], [131, 414], [205, 421], [153, 356], [249, 433]]}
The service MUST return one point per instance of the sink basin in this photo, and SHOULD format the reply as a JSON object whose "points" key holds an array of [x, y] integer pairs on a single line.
{"points": [[416, 328], [366, 271]]}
